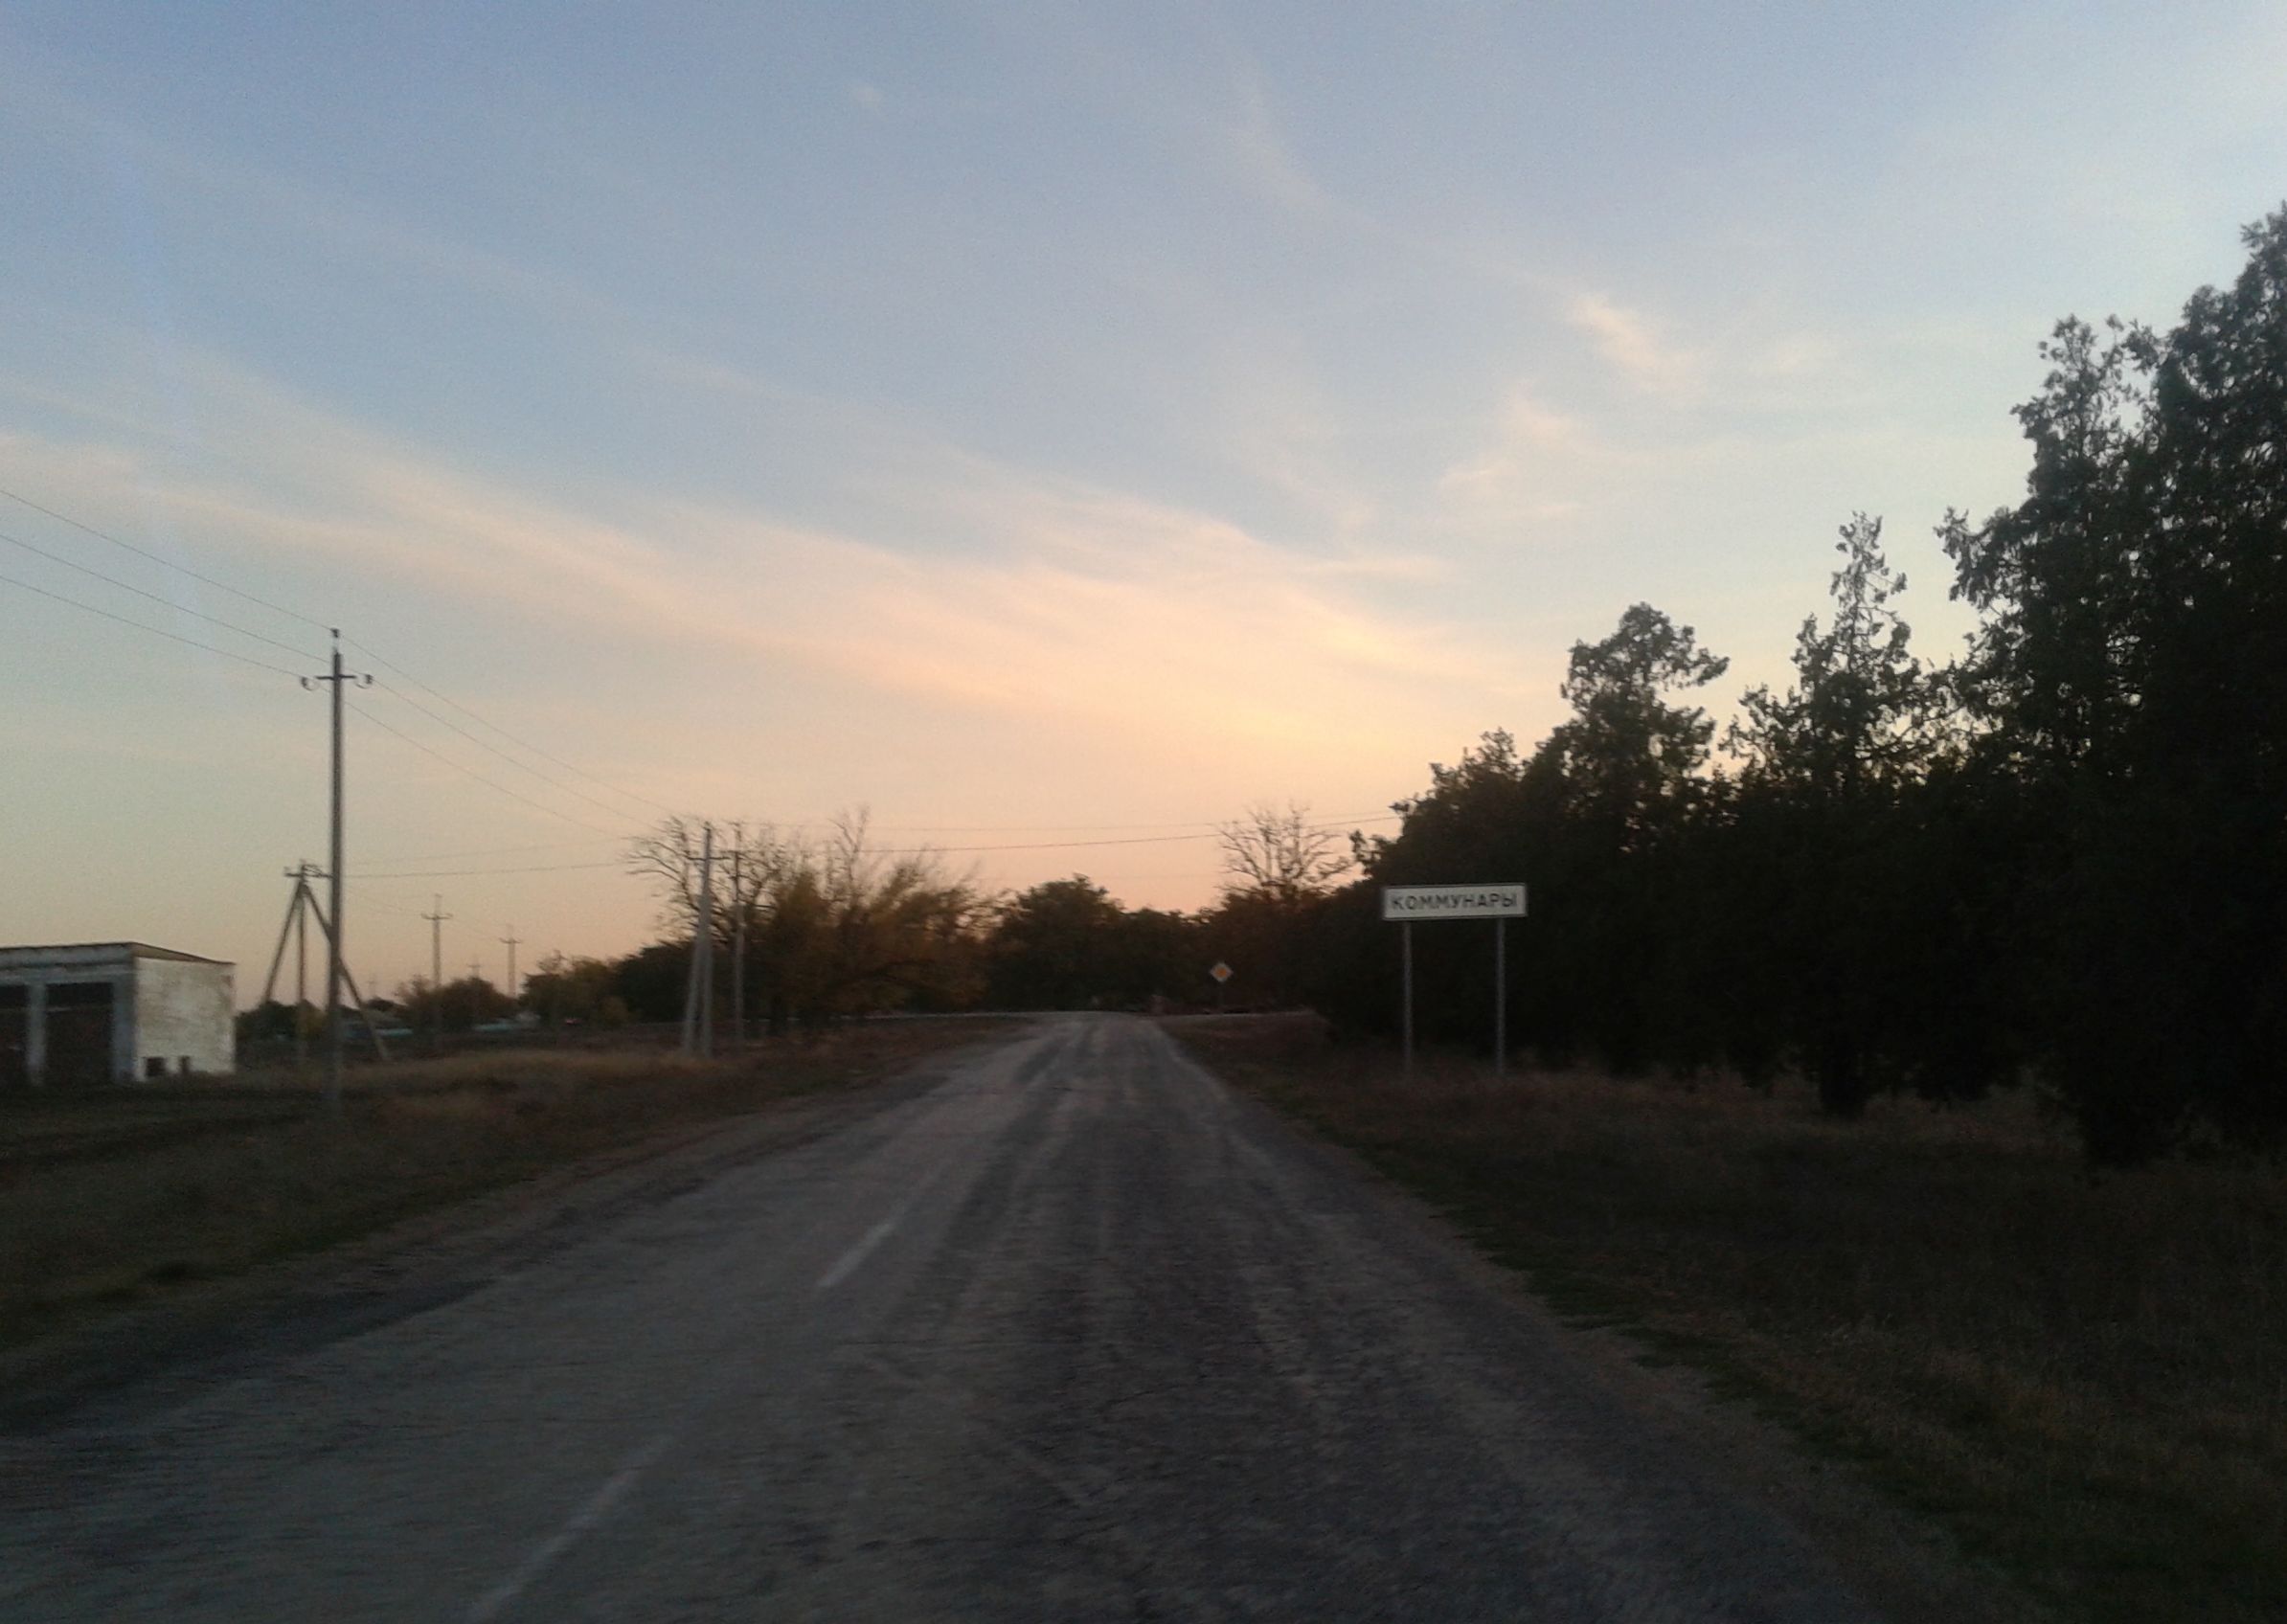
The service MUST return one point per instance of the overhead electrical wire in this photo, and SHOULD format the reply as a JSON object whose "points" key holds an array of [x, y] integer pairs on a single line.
{"points": [[878, 852], [524, 766], [309, 620], [619, 863], [163, 602], [155, 631], [1208, 829], [382, 902], [471, 772], [159, 559], [505, 850], [380, 658], [1073, 845], [1209, 824]]}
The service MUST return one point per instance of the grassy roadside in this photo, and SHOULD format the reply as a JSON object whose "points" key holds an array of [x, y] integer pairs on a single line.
{"points": [[2084, 1377], [110, 1198]]}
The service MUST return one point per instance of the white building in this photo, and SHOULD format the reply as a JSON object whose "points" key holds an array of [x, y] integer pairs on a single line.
{"points": [[112, 1012]]}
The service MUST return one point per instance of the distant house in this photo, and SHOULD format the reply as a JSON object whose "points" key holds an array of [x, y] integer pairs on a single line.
{"points": [[112, 1012]]}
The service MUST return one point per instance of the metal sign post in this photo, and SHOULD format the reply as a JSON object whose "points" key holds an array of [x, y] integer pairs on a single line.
{"points": [[1500, 997], [1499, 903], [1405, 935]]}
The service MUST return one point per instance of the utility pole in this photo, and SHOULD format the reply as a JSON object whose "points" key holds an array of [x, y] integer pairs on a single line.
{"points": [[707, 950], [437, 916], [510, 941], [301, 874], [295, 925], [339, 678], [699, 1004], [303, 908], [738, 945]]}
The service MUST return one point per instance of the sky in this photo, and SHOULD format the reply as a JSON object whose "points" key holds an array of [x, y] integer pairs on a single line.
{"points": [[1036, 424]]}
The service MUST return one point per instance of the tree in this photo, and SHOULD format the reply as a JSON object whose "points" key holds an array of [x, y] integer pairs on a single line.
{"points": [[561, 990], [1280, 853], [1277, 866], [749, 859], [834, 928], [458, 1006], [1057, 946], [1860, 717], [2131, 675], [1826, 765], [1630, 755], [2050, 668]]}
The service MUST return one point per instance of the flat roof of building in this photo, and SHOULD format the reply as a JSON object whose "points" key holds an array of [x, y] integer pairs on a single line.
{"points": [[85, 951]]}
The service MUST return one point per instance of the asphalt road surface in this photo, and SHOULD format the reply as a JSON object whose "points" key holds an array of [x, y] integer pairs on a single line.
{"points": [[1064, 1331]]}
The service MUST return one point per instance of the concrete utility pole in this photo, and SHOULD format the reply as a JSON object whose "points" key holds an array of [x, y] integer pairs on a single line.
{"points": [[737, 948], [339, 678], [437, 916], [510, 941], [296, 926], [301, 874], [302, 908], [699, 1004]]}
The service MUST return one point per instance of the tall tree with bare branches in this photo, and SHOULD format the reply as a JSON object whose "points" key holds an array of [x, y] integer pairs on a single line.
{"points": [[1276, 852]]}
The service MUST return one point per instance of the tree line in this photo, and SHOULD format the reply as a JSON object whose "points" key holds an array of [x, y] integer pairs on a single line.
{"points": [[2058, 860], [808, 931]]}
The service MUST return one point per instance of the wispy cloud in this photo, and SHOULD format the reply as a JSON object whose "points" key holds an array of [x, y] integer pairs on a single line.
{"points": [[1530, 456], [44, 111], [1631, 343], [1088, 607]]}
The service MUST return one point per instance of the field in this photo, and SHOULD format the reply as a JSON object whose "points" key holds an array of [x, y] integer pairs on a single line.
{"points": [[2083, 1376], [108, 1198]]}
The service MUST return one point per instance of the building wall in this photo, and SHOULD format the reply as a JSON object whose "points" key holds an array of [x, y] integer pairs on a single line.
{"points": [[73, 1023], [183, 1010]]}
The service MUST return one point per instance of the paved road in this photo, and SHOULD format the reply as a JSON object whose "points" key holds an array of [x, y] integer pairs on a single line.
{"points": [[1069, 1334]]}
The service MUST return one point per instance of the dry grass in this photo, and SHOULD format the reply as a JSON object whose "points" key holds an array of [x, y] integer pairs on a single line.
{"points": [[2085, 1376], [105, 1198]]}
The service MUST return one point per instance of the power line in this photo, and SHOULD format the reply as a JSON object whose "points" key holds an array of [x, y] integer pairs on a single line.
{"points": [[501, 850], [296, 614], [504, 732], [155, 631], [466, 873], [163, 602], [170, 563], [373, 900], [1134, 839], [470, 772], [1209, 824], [1209, 827], [876, 851], [482, 744]]}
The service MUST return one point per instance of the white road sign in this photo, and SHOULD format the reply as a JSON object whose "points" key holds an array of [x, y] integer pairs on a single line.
{"points": [[1453, 902], [1221, 971]]}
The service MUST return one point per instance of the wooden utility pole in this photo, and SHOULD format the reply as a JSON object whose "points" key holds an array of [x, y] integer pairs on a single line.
{"points": [[332, 917], [437, 916]]}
